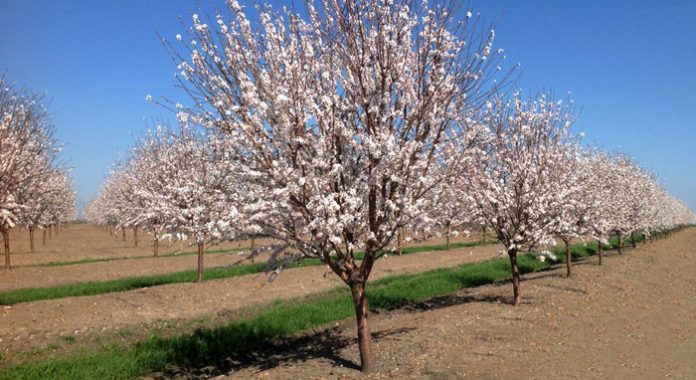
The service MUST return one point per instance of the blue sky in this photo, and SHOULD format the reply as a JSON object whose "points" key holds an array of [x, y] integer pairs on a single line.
{"points": [[629, 65]]}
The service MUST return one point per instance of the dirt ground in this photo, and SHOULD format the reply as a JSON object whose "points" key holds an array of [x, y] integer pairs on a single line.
{"points": [[632, 318], [45, 325]]}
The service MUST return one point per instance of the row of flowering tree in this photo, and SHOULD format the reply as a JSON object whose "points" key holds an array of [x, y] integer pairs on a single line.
{"points": [[538, 184], [173, 184], [35, 191], [333, 129]]}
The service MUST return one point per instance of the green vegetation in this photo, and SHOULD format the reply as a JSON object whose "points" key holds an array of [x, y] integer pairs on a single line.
{"points": [[130, 283]]}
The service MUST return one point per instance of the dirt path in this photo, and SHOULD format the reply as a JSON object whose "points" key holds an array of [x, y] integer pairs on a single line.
{"points": [[633, 318], [40, 324]]}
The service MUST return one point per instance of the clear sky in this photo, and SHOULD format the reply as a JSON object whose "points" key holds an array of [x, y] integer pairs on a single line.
{"points": [[629, 65]]}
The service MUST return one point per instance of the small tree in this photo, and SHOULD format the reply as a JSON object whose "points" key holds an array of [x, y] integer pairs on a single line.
{"points": [[338, 123], [518, 185], [26, 158]]}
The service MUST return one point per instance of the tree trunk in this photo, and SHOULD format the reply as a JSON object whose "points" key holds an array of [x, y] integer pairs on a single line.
{"points": [[123, 233], [599, 251], [515, 277], [633, 240], [156, 246], [6, 238], [56, 228], [200, 262], [568, 256], [44, 237], [399, 242], [31, 240], [252, 243], [484, 234], [620, 236], [364, 339], [135, 236], [448, 241], [50, 233]]}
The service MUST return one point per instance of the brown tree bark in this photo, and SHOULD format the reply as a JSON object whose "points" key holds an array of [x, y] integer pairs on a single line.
{"points": [[43, 241], [253, 243], [448, 240], [633, 240], [620, 236], [399, 241], [512, 253], [364, 339], [569, 259], [123, 233], [599, 251], [50, 231], [200, 262], [31, 239], [135, 236], [484, 234], [6, 238], [156, 246]]}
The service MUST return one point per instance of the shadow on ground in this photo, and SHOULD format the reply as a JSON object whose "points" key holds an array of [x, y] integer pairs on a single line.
{"points": [[325, 344]]}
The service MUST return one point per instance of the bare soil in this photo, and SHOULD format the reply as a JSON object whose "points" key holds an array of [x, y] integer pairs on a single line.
{"points": [[632, 318]]}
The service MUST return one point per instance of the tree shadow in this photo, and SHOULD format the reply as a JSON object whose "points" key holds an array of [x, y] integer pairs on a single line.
{"points": [[325, 344], [453, 300], [565, 288]]}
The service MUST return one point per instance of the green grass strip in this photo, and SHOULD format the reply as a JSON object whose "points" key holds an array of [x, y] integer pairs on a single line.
{"points": [[130, 283]]}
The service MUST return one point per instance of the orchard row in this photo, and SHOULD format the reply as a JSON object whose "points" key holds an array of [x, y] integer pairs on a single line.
{"points": [[35, 189]]}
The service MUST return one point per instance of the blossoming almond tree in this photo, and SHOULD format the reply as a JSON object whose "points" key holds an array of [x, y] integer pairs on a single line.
{"points": [[338, 120], [26, 156], [518, 185], [148, 168], [181, 183], [571, 208], [598, 195], [448, 206], [48, 200]]}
